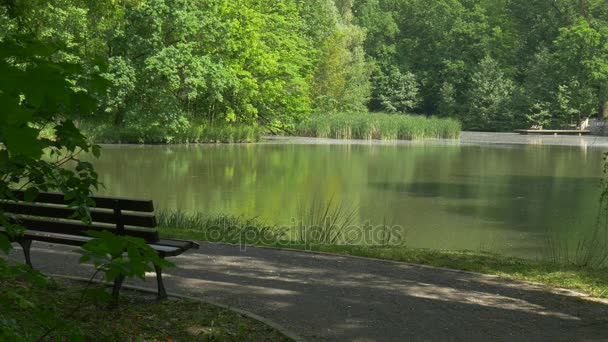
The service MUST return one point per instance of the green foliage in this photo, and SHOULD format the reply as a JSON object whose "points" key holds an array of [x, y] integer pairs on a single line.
{"points": [[581, 54], [570, 80], [36, 91], [341, 82], [176, 61], [40, 86], [378, 126], [550, 52], [539, 115], [395, 92], [448, 105], [172, 63], [117, 256], [489, 98]]}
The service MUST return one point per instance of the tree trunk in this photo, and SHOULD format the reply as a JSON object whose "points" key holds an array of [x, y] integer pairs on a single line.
{"points": [[604, 111], [583, 9]]}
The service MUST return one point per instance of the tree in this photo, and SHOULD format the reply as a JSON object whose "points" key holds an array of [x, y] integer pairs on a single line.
{"points": [[581, 55], [216, 62], [395, 92], [177, 63], [448, 107], [341, 79], [489, 98]]}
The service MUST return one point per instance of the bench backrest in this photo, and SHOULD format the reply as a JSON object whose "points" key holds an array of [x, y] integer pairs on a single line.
{"points": [[50, 212]]}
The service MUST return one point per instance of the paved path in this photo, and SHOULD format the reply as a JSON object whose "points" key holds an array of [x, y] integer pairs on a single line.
{"points": [[323, 297]]}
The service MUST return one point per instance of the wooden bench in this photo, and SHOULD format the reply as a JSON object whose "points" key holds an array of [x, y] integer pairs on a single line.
{"points": [[49, 218]]}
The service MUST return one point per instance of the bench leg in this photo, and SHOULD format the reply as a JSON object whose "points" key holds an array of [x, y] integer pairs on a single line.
{"points": [[116, 288], [26, 244], [162, 293]]}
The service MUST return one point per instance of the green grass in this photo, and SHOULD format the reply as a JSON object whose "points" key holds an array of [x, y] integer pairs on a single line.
{"points": [[221, 228], [224, 228], [198, 133], [378, 126], [138, 317]]}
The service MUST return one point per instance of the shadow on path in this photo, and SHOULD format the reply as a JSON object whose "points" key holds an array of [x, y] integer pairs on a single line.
{"points": [[323, 297]]}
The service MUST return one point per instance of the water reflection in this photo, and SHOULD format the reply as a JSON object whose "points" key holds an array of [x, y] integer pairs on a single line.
{"points": [[499, 197]]}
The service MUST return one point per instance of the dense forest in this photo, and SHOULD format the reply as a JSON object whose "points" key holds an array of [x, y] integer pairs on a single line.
{"points": [[493, 64]]}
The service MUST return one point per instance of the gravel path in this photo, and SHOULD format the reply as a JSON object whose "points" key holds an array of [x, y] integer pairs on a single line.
{"points": [[325, 297]]}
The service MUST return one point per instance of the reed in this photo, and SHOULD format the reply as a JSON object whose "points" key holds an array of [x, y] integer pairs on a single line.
{"points": [[222, 228], [320, 222], [317, 222], [378, 126], [587, 250], [201, 133]]}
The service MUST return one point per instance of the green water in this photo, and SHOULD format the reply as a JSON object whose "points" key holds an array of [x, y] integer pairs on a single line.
{"points": [[501, 198]]}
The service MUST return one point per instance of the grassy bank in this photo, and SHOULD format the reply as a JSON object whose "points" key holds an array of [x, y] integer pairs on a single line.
{"points": [[139, 317], [590, 280], [109, 134], [378, 126], [365, 126]]}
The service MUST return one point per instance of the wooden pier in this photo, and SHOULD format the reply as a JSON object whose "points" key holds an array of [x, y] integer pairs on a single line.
{"points": [[553, 131]]}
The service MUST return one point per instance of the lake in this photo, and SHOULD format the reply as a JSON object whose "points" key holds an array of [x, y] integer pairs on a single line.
{"points": [[486, 192]]}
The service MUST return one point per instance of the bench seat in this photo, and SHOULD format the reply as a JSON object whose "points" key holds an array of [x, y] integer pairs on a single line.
{"points": [[164, 247]]}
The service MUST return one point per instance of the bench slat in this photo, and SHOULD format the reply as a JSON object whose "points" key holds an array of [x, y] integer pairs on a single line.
{"points": [[100, 201], [73, 240], [62, 227], [24, 208]]}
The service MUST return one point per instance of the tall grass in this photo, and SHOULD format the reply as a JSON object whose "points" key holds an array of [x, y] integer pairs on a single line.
{"points": [[317, 223], [224, 134], [583, 249], [222, 228], [324, 223], [109, 134], [378, 126], [588, 249]]}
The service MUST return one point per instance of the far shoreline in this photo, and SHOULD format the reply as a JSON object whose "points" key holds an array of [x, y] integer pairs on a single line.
{"points": [[467, 138]]}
